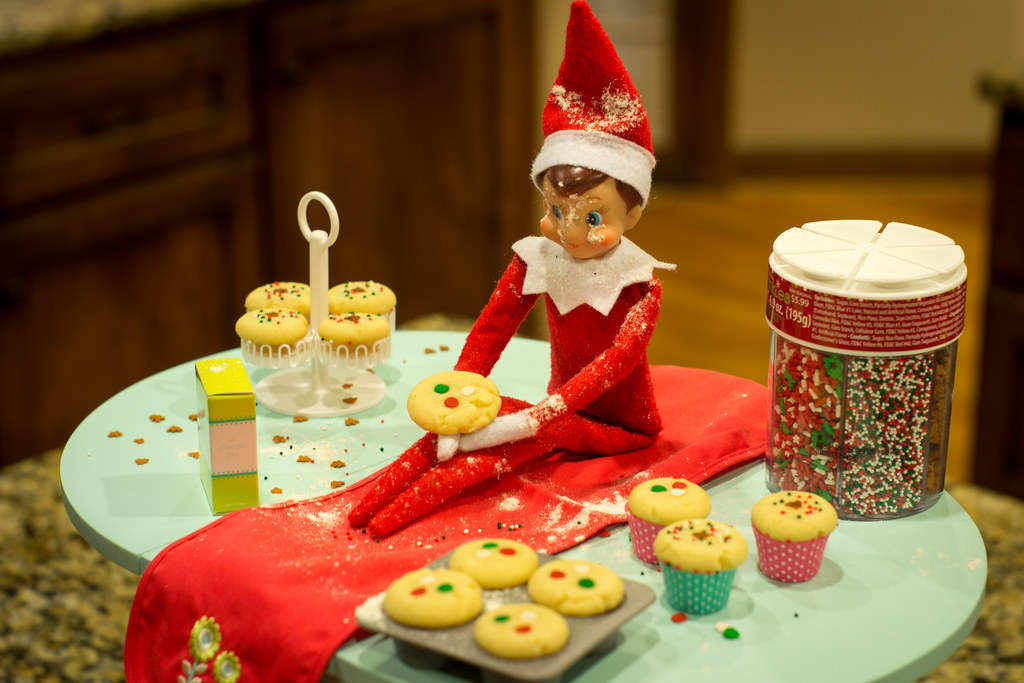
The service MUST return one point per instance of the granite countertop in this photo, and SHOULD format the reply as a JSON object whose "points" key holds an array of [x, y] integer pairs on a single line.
{"points": [[28, 25], [65, 607]]}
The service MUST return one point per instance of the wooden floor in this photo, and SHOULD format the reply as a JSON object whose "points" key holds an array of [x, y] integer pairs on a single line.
{"points": [[713, 310]]}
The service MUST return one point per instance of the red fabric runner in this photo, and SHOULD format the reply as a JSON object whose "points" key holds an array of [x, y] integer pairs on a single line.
{"points": [[279, 584]]}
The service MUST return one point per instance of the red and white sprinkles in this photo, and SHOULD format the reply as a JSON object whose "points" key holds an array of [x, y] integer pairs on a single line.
{"points": [[861, 432]]}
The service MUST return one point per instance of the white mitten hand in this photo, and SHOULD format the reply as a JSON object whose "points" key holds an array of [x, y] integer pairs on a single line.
{"points": [[447, 445], [504, 429]]}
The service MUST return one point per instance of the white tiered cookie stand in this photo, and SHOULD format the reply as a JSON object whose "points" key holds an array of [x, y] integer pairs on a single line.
{"points": [[314, 379]]}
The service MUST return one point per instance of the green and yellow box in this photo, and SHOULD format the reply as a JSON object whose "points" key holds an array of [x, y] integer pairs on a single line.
{"points": [[227, 434]]}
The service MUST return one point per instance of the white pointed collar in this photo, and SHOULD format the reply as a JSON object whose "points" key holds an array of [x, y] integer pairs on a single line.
{"points": [[570, 281]]}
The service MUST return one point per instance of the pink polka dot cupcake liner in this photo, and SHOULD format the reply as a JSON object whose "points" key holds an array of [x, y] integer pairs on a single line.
{"points": [[696, 593], [788, 561], [642, 533]]}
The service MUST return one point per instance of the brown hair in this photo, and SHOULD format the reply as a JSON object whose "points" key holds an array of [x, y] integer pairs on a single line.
{"points": [[568, 180]]}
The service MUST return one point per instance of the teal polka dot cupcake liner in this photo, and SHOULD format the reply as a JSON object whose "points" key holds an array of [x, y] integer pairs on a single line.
{"points": [[697, 593]]}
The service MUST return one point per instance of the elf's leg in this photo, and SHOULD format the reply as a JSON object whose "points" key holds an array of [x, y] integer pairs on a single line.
{"points": [[406, 469], [447, 479], [397, 477]]}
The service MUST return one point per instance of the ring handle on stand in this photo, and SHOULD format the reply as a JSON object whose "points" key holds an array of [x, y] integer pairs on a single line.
{"points": [[314, 391], [331, 212]]}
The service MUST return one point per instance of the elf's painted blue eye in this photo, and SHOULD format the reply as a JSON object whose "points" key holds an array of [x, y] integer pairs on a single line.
{"points": [[593, 219], [558, 212]]}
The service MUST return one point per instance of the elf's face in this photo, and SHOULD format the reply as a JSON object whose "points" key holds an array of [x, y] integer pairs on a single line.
{"points": [[589, 224]]}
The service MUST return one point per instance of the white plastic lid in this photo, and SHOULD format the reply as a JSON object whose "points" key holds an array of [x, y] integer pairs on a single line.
{"points": [[863, 259], [856, 286]]}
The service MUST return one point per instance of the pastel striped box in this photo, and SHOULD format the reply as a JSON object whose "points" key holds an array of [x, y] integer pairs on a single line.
{"points": [[227, 434]]}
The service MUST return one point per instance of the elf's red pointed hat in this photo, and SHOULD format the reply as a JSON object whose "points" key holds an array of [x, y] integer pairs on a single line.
{"points": [[593, 116]]}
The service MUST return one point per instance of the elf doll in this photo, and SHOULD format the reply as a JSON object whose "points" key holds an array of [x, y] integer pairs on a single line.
{"points": [[602, 298]]}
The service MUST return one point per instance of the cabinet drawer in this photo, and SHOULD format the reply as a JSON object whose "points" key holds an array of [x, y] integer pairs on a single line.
{"points": [[106, 110]]}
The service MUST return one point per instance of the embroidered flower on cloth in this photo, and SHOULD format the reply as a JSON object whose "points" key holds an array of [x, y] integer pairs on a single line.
{"points": [[203, 643], [226, 668]]}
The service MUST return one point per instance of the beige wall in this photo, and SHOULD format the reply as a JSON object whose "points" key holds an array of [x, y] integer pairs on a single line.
{"points": [[824, 74], [892, 74], [643, 39]]}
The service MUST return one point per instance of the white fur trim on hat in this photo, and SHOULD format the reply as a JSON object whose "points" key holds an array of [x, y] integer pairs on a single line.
{"points": [[609, 154]]}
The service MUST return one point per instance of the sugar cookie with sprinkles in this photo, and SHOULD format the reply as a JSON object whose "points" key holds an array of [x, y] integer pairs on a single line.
{"points": [[790, 530], [433, 598], [521, 631], [576, 588], [363, 296], [272, 328], [349, 330], [454, 402], [291, 295], [699, 558], [495, 563], [660, 501]]}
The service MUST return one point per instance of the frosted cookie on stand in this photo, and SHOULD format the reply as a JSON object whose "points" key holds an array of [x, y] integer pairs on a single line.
{"points": [[658, 502], [355, 336], [362, 296], [269, 333], [291, 295]]}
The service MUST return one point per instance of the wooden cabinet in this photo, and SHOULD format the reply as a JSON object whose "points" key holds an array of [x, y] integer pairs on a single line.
{"points": [[126, 185], [999, 455], [416, 119], [149, 179]]}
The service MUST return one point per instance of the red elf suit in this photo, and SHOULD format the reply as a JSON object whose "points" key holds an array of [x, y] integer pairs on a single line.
{"points": [[601, 311], [601, 400]]}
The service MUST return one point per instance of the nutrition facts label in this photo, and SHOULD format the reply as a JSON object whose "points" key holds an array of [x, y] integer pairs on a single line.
{"points": [[885, 326]]}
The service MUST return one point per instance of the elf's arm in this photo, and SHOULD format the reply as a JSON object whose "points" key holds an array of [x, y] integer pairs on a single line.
{"points": [[605, 371], [499, 320]]}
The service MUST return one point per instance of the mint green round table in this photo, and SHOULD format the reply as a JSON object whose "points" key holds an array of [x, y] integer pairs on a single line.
{"points": [[893, 599]]}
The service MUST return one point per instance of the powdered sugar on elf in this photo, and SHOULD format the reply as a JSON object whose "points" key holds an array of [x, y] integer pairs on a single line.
{"points": [[602, 297]]}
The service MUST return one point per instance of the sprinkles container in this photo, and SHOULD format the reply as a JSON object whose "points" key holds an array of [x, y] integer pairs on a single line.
{"points": [[864, 321]]}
